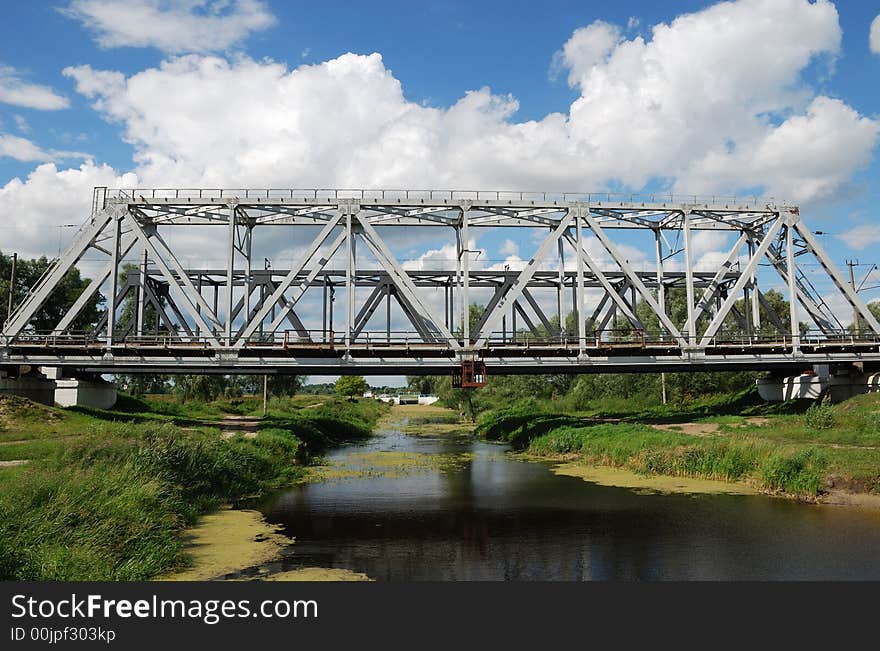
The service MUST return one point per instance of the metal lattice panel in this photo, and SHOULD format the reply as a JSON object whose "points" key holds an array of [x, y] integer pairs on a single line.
{"points": [[162, 315]]}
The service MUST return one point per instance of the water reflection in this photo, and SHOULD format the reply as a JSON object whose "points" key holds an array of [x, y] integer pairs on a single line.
{"points": [[498, 518]]}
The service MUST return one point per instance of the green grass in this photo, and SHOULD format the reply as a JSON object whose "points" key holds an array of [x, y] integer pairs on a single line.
{"points": [[107, 494], [790, 449]]}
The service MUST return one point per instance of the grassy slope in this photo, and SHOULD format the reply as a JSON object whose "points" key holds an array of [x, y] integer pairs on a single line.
{"points": [[802, 452], [107, 493]]}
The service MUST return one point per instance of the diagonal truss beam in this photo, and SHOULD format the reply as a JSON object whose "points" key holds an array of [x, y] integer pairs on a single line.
{"points": [[744, 278], [287, 303], [516, 289], [44, 288], [173, 285], [401, 279], [633, 278], [715, 285], [849, 293], [285, 284], [606, 284], [90, 290]]}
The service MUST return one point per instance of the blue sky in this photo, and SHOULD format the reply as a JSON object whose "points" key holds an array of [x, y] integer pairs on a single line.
{"points": [[777, 97]]}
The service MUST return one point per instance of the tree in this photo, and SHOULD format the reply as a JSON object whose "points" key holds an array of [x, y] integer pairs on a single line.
{"points": [[27, 273], [276, 385], [140, 384], [422, 384], [200, 387], [350, 386], [864, 328]]}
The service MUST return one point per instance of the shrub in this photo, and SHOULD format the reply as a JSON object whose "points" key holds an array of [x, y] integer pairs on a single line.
{"points": [[820, 417], [799, 474]]}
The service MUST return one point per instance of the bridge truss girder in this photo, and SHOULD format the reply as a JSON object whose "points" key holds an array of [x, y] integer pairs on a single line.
{"points": [[234, 312]]}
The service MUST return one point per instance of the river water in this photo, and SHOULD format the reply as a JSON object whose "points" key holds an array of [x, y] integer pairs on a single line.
{"points": [[486, 515]]}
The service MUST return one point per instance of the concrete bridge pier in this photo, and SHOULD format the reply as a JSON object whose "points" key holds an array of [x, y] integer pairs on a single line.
{"points": [[27, 382], [834, 382], [83, 391]]}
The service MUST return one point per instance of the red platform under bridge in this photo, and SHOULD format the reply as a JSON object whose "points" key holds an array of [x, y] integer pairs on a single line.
{"points": [[472, 374]]}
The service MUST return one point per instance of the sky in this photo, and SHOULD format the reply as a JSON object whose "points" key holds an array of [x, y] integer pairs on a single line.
{"points": [[776, 98]]}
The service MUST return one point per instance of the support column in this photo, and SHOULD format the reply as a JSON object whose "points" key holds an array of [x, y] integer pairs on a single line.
{"points": [[388, 313], [248, 280], [230, 266], [466, 279], [349, 272], [756, 298], [792, 288], [560, 300], [661, 288], [689, 280], [198, 305], [142, 296], [114, 283], [324, 312], [579, 310]]}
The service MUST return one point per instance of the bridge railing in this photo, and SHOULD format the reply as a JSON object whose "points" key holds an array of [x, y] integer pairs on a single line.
{"points": [[288, 339], [391, 194]]}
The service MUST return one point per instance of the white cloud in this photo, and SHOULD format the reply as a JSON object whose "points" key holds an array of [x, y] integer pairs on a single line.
{"points": [[49, 198], [587, 47], [444, 258], [21, 123], [172, 26], [21, 149], [861, 236], [875, 35], [735, 117], [25, 150], [14, 90], [509, 247], [712, 102]]}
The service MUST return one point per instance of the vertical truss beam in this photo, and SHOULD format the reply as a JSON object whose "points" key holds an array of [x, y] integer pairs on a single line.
{"points": [[494, 318], [53, 277], [848, 292], [285, 284], [744, 278], [634, 278], [182, 293], [402, 280]]}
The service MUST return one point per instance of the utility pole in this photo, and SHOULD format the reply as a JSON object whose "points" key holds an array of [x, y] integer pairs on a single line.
{"points": [[663, 387], [11, 287], [852, 281], [265, 394]]}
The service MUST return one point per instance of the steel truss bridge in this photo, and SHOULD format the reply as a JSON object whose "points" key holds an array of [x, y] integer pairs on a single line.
{"points": [[395, 318]]}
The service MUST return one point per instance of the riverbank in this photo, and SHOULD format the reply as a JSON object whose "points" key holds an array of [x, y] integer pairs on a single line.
{"points": [[240, 543], [824, 454], [106, 495]]}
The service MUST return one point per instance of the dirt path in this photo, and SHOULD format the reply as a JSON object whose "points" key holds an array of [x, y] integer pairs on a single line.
{"points": [[694, 429], [247, 426]]}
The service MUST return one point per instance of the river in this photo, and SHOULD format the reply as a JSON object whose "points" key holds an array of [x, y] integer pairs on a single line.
{"points": [[442, 506]]}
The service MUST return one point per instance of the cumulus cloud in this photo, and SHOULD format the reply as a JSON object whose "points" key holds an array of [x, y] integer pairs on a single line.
{"points": [[173, 26], [49, 198], [21, 149], [861, 236], [874, 39], [738, 116], [14, 90], [585, 48], [711, 102], [24, 150], [509, 247]]}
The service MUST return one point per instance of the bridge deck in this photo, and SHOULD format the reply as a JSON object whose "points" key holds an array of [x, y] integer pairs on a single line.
{"points": [[380, 357]]}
